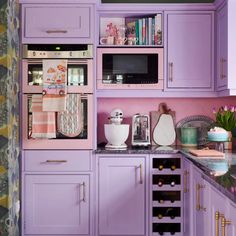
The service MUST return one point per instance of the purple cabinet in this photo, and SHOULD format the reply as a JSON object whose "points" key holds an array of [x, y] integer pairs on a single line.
{"points": [[217, 211], [57, 23], [231, 229], [56, 204], [121, 196], [190, 51], [200, 204], [222, 48], [186, 198]]}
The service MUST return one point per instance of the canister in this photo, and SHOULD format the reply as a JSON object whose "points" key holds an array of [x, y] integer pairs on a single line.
{"points": [[189, 136]]}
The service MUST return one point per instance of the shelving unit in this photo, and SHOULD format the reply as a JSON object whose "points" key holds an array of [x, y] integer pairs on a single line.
{"points": [[166, 195]]}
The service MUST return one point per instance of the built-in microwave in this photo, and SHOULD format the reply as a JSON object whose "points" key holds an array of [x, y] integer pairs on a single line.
{"points": [[130, 68]]}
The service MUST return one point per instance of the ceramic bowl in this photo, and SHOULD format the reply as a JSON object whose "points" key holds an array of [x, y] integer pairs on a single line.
{"points": [[115, 134], [217, 137]]}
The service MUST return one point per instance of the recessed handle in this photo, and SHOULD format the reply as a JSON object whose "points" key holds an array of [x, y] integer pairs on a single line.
{"points": [[186, 173], [141, 174], [171, 71]]}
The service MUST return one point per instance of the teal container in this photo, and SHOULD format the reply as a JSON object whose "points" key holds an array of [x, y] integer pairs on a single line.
{"points": [[189, 136]]}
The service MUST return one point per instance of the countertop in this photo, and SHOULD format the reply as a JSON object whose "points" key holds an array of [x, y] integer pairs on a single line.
{"points": [[220, 173]]}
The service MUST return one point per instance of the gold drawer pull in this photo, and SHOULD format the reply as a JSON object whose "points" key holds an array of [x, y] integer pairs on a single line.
{"points": [[56, 31], [56, 161], [218, 215], [186, 173], [224, 223], [198, 204]]}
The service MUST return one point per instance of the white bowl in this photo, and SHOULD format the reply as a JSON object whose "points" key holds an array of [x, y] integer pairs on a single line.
{"points": [[115, 134]]}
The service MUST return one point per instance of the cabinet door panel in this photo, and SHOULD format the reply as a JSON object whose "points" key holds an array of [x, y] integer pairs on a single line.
{"points": [[231, 229], [190, 44], [222, 46], [56, 204], [200, 204], [56, 21], [121, 196]]}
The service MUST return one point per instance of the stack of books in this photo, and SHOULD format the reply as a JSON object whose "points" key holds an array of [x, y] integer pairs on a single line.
{"points": [[145, 30]]}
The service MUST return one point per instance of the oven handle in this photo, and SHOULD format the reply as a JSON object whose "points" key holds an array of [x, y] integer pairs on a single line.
{"points": [[40, 61]]}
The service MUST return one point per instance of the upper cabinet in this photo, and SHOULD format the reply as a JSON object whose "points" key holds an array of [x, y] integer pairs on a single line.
{"points": [[189, 44], [222, 23], [52, 23], [226, 48]]}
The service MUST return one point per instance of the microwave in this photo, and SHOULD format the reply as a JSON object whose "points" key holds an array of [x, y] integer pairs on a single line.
{"points": [[130, 68]]}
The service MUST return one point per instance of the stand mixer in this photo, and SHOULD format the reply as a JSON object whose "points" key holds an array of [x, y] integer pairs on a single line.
{"points": [[115, 132]]}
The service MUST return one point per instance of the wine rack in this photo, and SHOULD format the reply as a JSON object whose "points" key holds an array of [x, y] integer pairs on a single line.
{"points": [[166, 195]]}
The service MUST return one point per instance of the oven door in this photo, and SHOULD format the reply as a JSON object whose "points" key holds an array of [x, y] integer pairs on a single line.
{"points": [[83, 140], [79, 76]]}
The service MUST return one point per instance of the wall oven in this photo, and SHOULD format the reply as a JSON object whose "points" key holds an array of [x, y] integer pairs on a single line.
{"points": [[72, 128], [130, 68]]}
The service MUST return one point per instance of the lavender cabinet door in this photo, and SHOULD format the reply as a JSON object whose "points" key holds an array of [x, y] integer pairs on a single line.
{"points": [[222, 45], [218, 208], [122, 196], [190, 51], [52, 23], [186, 198], [231, 229], [56, 204], [200, 204]]}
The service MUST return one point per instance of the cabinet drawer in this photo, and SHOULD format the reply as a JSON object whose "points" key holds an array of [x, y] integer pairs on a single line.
{"points": [[57, 160], [56, 21]]}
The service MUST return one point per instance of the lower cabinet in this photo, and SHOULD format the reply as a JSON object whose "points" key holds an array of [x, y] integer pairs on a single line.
{"points": [[200, 204], [187, 216], [56, 204], [122, 195]]}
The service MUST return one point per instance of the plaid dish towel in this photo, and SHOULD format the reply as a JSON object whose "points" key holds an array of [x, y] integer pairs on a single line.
{"points": [[54, 85], [43, 122]]}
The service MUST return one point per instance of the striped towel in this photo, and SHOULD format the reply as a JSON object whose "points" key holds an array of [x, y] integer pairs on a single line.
{"points": [[54, 85], [43, 123]]}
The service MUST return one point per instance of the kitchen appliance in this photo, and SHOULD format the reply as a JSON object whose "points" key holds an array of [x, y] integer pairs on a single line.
{"points": [[79, 82], [130, 68], [115, 132], [140, 130], [79, 66]]}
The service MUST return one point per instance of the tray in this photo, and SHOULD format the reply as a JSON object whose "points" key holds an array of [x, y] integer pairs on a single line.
{"points": [[207, 153], [203, 123]]}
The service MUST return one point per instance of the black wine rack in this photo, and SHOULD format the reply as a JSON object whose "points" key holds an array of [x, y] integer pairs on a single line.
{"points": [[166, 195]]}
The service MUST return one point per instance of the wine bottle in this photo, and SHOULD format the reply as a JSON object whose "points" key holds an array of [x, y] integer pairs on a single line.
{"points": [[160, 182], [160, 216], [160, 167], [172, 183], [172, 232], [170, 212], [173, 167]]}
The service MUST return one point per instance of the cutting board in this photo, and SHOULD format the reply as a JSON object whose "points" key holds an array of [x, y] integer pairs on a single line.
{"points": [[207, 153], [162, 126]]}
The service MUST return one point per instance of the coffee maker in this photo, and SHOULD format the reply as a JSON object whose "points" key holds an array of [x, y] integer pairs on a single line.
{"points": [[140, 130]]}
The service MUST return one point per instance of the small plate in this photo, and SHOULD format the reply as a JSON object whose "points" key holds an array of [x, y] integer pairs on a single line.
{"points": [[203, 123]]}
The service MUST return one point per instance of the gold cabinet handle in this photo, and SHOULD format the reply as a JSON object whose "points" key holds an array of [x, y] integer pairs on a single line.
{"points": [[222, 61], [56, 31], [198, 204], [141, 174], [218, 215], [171, 71], [56, 161], [186, 173], [84, 192], [224, 223]]}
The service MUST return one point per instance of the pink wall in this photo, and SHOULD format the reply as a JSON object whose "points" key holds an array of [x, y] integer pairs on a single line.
{"points": [[182, 106]]}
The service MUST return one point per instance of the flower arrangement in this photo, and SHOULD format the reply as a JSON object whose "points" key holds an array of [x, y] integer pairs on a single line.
{"points": [[112, 30], [225, 117]]}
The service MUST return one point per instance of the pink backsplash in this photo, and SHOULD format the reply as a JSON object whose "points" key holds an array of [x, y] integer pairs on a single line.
{"points": [[182, 106]]}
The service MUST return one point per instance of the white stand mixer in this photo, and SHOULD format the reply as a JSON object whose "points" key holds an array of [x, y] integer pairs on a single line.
{"points": [[115, 132]]}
